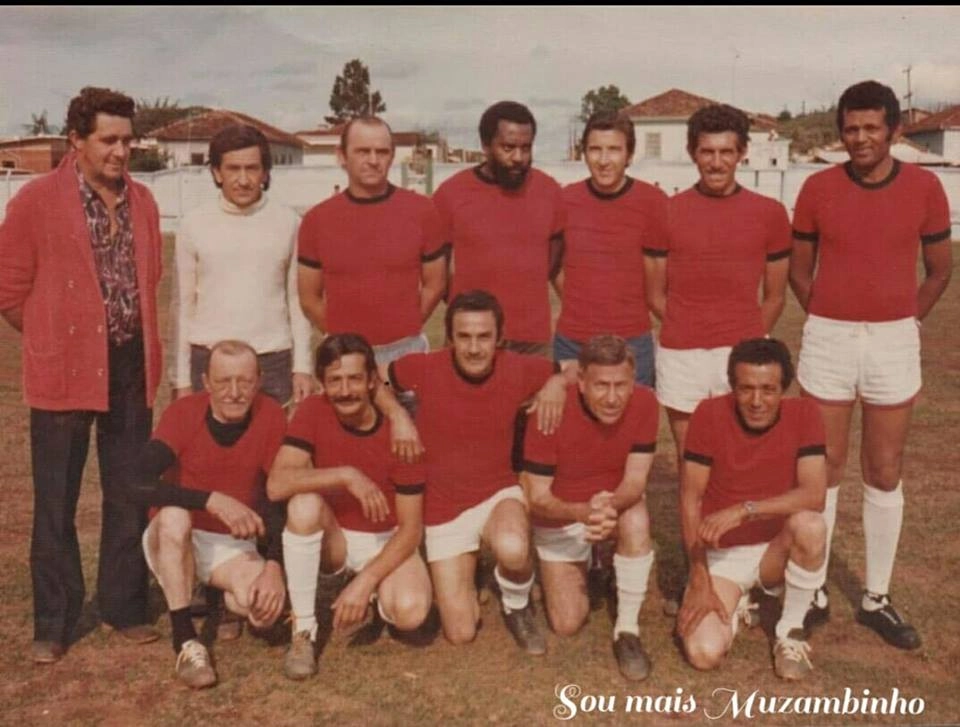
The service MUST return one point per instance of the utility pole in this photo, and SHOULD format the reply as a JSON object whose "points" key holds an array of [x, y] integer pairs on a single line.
{"points": [[909, 97]]}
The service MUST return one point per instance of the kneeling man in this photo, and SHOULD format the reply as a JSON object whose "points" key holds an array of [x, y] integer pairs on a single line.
{"points": [[213, 450], [585, 483], [752, 489], [353, 508]]}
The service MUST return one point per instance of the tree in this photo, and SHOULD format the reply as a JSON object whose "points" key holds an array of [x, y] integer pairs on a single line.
{"points": [[784, 115], [39, 125], [351, 95], [150, 115], [605, 98]]}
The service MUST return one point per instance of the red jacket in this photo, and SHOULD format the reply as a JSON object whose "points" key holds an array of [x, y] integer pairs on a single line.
{"points": [[47, 268]]}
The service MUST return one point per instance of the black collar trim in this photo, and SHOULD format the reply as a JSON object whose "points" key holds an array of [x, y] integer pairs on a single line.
{"points": [[478, 172], [371, 200], [473, 380], [750, 430], [607, 196], [736, 190], [226, 434], [894, 171], [364, 432]]}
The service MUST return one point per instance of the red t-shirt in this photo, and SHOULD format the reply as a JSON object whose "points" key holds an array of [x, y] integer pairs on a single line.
{"points": [[749, 466], [316, 429], [467, 427], [717, 249], [867, 237], [371, 252], [239, 470], [501, 243], [585, 456], [603, 289]]}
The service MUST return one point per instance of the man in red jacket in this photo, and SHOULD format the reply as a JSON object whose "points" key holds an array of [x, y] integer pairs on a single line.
{"points": [[80, 260]]}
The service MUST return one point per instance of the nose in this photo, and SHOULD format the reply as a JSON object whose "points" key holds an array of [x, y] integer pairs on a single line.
{"points": [[244, 178], [474, 346], [234, 388], [756, 399]]}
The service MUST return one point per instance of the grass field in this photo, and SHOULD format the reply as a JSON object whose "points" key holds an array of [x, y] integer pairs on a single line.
{"points": [[104, 681]]}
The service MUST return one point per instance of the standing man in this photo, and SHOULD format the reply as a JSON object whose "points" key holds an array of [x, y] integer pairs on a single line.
{"points": [[205, 469], [723, 242], [504, 221], [585, 484], [80, 260], [611, 218], [354, 510], [469, 396], [751, 491], [237, 274], [372, 259], [858, 225]]}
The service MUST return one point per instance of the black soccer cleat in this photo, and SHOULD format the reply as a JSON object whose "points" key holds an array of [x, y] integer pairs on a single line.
{"points": [[889, 624]]}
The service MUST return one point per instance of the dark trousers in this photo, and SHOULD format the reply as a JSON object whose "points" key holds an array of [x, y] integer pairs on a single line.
{"points": [[59, 442]]}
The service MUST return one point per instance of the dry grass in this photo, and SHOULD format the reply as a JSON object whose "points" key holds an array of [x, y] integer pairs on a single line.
{"points": [[102, 681]]}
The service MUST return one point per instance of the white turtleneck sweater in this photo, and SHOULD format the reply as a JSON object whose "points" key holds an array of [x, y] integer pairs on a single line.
{"points": [[236, 277]]}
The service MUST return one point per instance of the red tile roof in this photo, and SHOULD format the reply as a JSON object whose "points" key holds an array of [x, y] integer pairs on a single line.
{"points": [[677, 104], [947, 119], [205, 126]]}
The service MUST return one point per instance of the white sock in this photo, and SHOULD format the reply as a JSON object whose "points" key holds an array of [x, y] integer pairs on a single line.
{"points": [[301, 561], [799, 585], [882, 518], [513, 596], [830, 519], [632, 577]]}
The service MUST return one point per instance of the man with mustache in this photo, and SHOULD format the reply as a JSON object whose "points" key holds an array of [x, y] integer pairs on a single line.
{"points": [[204, 470], [723, 242], [585, 483], [504, 221], [353, 510], [856, 231], [469, 395]]}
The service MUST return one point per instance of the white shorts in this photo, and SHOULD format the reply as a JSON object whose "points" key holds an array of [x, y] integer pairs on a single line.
{"points": [[562, 545], [738, 563], [363, 547], [880, 362], [685, 377], [462, 534], [210, 550]]}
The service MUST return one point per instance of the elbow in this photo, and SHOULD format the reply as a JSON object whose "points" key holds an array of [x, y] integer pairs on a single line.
{"points": [[275, 490]]}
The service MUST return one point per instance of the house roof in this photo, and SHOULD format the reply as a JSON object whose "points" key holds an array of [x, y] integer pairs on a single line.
{"points": [[947, 119], [206, 125], [681, 105], [322, 131], [25, 141]]}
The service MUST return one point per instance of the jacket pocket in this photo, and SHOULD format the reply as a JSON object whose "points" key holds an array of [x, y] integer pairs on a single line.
{"points": [[44, 374]]}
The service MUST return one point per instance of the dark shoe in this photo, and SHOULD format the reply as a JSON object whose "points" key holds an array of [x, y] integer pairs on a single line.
{"points": [[889, 624], [791, 656], [47, 652], [194, 667], [819, 611], [632, 660], [525, 631], [139, 634]]}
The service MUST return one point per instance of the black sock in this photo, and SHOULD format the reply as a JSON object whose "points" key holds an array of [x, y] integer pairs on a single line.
{"points": [[182, 627]]}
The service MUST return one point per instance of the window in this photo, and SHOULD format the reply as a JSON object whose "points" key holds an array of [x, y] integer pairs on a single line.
{"points": [[8, 164], [196, 159], [773, 161], [651, 145]]}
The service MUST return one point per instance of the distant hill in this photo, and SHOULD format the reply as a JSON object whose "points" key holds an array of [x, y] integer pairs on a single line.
{"points": [[807, 131]]}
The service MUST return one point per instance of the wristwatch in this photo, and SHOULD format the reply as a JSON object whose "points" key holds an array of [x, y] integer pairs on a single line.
{"points": [[751, 507]]}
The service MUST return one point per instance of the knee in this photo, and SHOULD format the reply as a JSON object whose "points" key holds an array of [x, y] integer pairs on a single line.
{"points": [[809, 530], [567, 620], [459, 630], [174, 526], [705, 652], [409, 609], [836, 462], [883, 470], [633, 526], [512, 549], [305, 513]]}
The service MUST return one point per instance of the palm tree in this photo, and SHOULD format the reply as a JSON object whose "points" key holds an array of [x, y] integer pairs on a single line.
{"points": [[39, 126]]}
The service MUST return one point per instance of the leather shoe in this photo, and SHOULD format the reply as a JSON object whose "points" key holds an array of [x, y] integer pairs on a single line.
{"points": [[46, 652]]}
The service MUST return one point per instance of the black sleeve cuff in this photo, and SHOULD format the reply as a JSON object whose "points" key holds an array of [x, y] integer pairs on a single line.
{"points": [[935, 237], [643, 448], [307, 262], [538, 468], [410, 489], [441, 251], [698, 458], [392, 376], [806, 236], [811, 449], [654, 252], [780, 255], [299, 444]]}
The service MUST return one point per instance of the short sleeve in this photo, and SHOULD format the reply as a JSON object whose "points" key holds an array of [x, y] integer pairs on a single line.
{"points": [[646, 422], [699, 445], [302, 429], [441, 202], [408, 479], [778, 233], [936, 223], [433, 242], [273, 435], [812, 436], [172, 429], [805, 214], [536, 371], [655, 233], [539, 451], [309, 242], [658, 245], [559, 210], [406, 373]]}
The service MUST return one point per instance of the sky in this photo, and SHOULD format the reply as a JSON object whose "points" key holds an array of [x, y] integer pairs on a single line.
{"points": [[438, 68]]}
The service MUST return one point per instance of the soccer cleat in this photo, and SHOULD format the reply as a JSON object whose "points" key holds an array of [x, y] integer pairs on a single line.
{"points": [[819, 611], [889, 624], [791, 656], [632, 660], [747, 612], [194, 667], [300, 661], [525, 631], [46, 652]]}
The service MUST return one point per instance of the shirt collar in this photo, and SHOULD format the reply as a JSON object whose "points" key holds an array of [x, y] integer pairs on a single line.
{"points": [[230, 208], [89, 193]]}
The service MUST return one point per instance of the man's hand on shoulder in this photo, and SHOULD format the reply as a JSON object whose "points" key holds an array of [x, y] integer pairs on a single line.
{"points": [[404, 437], [242, 521], [548, 404], [179, 393], [266, 596], [302, 387], [371, 498]]}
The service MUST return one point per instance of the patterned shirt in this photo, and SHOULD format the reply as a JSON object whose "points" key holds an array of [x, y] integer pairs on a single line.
{"points": [[114, 258]]}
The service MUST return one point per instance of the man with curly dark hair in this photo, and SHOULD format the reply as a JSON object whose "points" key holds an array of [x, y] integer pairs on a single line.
{"points": [[80, 261]]}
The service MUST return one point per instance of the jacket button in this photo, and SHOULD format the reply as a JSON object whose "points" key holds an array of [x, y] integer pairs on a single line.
{"points": [[99, 372], [73, 372], [69, 283], [99, 329], [71, 330]]}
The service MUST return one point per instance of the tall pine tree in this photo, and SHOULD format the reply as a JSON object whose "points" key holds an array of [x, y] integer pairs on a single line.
{"points": [[351, 95]]}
